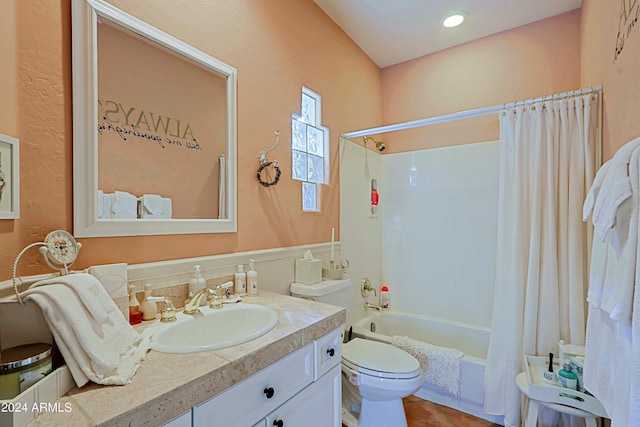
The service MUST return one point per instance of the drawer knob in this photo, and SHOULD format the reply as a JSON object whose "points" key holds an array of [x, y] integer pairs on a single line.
{"points": [[269, 392], [278, 423], [331, 352]]}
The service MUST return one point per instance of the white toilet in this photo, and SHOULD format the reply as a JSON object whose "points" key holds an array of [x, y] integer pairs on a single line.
{"points": [[375, 376]]}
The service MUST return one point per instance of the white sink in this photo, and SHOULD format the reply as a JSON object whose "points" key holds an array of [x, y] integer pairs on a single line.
{"points": [[212, 329]]}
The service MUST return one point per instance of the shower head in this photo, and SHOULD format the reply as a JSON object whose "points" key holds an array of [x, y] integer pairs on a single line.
{"points": [[380, 146]]}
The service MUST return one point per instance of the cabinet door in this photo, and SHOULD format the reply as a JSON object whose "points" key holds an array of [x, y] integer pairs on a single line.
{"points": [[318, 405], [183, 420], [252, 399]]}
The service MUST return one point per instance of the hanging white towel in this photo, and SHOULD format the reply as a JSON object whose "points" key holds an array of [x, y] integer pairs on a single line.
{"points": [[613, 260], [440, 365], [125, 205], [615, 189], [594, 190], [612, 347], [105, 352]]}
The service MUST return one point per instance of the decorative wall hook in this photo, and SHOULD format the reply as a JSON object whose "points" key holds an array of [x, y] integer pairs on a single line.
{"points": [[265, 163]]}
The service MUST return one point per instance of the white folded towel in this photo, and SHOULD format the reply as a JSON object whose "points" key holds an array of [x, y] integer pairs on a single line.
{"points": [[100, 204], [105, 204], [125, 205], [167, 208], [155, 206], [152, 206], [440, 365], [105, 352]]}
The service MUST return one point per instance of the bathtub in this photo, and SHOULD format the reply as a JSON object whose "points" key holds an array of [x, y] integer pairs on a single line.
{"points": [[471, 340]]}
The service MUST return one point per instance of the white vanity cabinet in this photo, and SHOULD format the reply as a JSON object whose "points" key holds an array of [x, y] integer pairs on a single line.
{"points": [[302, 389]]}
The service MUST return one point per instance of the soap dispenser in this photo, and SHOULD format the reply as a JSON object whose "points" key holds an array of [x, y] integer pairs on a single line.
{"points": [[241, 281], [149, 308], [252, 279], [135, 314], [197, 282]]}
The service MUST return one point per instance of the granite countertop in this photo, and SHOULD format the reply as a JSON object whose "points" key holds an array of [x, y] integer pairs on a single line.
{"points": [[166, 385]]}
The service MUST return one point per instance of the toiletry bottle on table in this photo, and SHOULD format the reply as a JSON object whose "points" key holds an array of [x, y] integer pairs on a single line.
{"points": [[252, 279], [566, 378], [135, 314], [149, 309], [241, 281], [549, 376], [197, 282]]}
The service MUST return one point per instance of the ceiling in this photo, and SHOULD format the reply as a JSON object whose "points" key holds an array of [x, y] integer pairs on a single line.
{"points": [[394, 31]]}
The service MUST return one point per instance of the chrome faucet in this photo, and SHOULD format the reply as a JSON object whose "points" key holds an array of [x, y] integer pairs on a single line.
{"points": [[368, 305], [192, 305]]}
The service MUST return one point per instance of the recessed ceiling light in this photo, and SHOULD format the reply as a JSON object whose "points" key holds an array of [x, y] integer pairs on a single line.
{"points": [[453, 20]]}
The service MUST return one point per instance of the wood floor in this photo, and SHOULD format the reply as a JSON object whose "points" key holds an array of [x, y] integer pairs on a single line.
{"points": [[422, 413]]}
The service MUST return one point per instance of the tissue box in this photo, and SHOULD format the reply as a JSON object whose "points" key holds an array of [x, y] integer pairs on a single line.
{"points": [[308, 272]]}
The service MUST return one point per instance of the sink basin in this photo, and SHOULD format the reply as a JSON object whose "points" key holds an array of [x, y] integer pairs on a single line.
{"points": [[212, 329]]}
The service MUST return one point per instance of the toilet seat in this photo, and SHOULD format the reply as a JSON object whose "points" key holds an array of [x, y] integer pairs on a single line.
{"points": [[379, 360]]}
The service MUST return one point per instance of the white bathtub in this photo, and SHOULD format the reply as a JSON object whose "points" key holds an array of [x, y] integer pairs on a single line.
{"points": [[471, 340]]}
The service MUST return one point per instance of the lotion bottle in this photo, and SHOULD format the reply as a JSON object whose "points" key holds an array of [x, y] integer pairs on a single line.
{"points": [[197, 282], [252, 279], [567, 379], [149, 309], [384, 297], [135, 314], [241, 281]]}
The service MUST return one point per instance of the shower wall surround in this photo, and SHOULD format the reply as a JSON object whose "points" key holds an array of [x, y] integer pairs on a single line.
{"points": [[439, 231], [434, 240]]}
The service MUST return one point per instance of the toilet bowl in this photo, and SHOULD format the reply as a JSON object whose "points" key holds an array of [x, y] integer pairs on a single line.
{"points": [[376, 376]]}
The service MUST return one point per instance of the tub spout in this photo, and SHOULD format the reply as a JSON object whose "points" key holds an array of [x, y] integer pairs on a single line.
{"points": [[368, 306]]}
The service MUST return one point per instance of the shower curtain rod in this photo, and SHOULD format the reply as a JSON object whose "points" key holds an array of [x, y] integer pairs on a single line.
{"points": [[478, 112]]}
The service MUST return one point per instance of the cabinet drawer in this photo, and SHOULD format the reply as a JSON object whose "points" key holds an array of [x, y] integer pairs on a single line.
{"points": [[247, 402], [328, 351]]}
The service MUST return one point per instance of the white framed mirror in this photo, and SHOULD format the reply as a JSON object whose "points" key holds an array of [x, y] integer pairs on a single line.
{"points": [[154, 130]]}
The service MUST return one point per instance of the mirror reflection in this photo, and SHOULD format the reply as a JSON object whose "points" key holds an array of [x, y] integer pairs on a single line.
{"points": [[154, 130], [161, 130]]}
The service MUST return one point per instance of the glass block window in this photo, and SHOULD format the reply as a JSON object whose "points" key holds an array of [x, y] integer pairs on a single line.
{"points": [[310, 149]]}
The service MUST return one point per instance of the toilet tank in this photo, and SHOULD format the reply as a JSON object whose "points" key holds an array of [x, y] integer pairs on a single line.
{"points": [[335, 292]]}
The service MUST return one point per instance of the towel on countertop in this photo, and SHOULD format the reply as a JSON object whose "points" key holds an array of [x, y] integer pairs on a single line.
{"points": [[440, 365], [105, 352], [125, 205]]}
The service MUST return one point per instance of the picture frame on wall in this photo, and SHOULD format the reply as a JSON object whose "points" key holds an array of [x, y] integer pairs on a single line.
{"points": [[9, 177]]}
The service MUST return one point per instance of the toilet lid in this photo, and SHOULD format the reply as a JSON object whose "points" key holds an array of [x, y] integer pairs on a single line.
{"points": [[379, 359]]}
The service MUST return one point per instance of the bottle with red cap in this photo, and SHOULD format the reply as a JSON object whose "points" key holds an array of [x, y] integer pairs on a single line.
{"points": [[384, 297]]}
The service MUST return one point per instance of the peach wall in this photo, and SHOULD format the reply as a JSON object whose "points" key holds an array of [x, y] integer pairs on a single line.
{"points": [[277, 46], [608, 25], [533, 60], [8, 69]]}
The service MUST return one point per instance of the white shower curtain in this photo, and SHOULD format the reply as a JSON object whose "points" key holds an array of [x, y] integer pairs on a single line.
{"points": [[546, 166]]}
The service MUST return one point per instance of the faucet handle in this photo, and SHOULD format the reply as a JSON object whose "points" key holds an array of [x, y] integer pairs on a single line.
{"points": [[168, 313], [215, 297]]}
